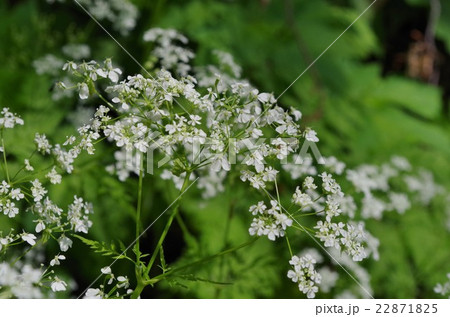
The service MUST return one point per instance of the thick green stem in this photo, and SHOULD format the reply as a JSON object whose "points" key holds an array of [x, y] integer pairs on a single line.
{"points": [[137, 292]]}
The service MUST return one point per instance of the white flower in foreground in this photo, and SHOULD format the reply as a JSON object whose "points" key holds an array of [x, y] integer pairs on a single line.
{"points": [[106, 270], [301, 199], [266, 98], [58, 285], [40, 226], [55, 260], [10, 209], [311, 135], [37, 190], [304, 274], [93, 293], [123, 282], [16, 194], [64, 243], [83, 91], [42, 143], [29, 238]]}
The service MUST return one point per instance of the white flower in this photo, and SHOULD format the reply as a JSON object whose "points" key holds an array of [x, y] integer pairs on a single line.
{"points": [[83, 91], [311, 135], [10, 209], [9, 120], [220, 162], [301, 199], [304, 274], [40, 226], [29, 238], [283, 220], [4, 242], [16, 194], [123, 282], [37, 190], [258, 209], [443, 289], [195, 119], [308, 183], [4, 188], [266, 97], [64, 243], [55, 260], [53, 176], [256, 227], [93, 293], [28, 166], [42, 143], [106, 270], [58, 285]]}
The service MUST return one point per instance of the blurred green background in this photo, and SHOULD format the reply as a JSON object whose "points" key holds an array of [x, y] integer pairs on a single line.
{"points": [[369, 97]]}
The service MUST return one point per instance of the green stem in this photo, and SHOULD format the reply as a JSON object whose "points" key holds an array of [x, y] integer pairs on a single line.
{"points": [[140, 283], [168, 224], [289, 246], [137, 292], [4, 159], [23, 167], [158, 278], [139, 205]]}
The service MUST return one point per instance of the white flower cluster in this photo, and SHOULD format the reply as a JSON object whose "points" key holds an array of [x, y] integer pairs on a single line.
{"points": [[117, 285], [346, 237], [168, 50], [443, 289], [377, 183], [121, 13], [91, 71], [329, 276], [304, 274], [8, 119], [271, 222], [230, 117], [52, 65], [8, 198], [202, 126], [21, 280]]}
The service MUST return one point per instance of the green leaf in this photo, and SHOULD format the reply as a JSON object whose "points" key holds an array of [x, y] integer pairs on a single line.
{"points": [[102, 247]]}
